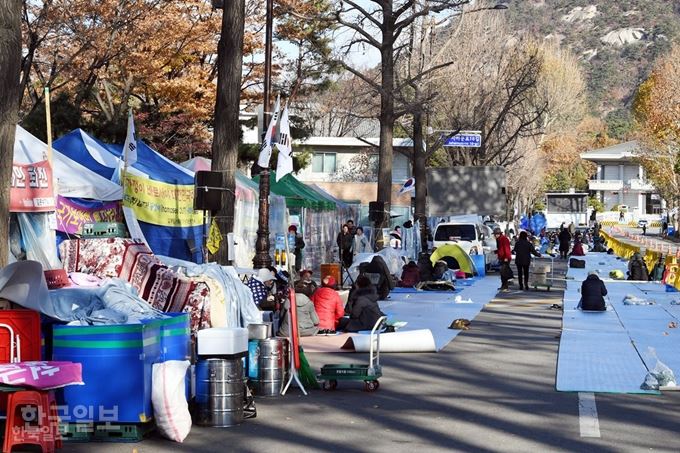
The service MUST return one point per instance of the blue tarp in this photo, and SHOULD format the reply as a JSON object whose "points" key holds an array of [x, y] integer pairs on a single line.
{"points": [[103, 158]]}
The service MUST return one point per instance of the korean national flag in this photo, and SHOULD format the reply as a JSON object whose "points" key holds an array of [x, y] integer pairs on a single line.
{"points": [[266, 149], [284, 164], [409, 186]]}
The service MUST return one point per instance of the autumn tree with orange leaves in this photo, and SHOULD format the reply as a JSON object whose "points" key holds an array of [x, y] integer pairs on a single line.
{"points": [[657, 113]]}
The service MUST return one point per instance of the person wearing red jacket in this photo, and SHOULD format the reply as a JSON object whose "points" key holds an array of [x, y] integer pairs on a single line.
{"points": [[328, 305], [504, 257]]}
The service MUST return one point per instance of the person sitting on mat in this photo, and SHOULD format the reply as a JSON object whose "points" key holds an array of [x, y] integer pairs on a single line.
{"points": [[362, 307], [592, 293], [442, 272], [261, 285], [306, 285], [328, 305], [307, 319], [410, 275]]}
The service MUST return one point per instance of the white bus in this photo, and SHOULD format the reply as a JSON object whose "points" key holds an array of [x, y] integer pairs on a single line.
{"points": [[565, 208]]}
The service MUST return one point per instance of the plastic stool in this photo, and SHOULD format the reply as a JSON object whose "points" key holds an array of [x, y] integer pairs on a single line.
{"points": [[18, 431], [53, 418]]}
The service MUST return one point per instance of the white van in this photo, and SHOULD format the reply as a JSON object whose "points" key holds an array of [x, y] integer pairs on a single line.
{"points": [[474, 238]]}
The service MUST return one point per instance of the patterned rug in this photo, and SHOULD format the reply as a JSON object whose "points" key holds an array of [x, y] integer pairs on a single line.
{"points": [[133, 261]]}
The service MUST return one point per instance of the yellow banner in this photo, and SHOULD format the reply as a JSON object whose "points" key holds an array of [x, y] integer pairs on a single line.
{"points": [[160, 203]]}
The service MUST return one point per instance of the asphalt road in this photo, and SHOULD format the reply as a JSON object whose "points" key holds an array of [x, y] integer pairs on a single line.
{"points": [[491, 389]]}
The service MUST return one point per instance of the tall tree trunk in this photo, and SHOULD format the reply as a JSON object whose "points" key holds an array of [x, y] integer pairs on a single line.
{"points": [[10, 70], [386, 155], [420, 174], [227, 129]]}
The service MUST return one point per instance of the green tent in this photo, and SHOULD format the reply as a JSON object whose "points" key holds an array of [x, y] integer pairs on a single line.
{"points": [[455, 251], [297, 194]]}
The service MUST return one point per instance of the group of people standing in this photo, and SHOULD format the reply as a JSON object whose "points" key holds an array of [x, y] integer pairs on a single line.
{"points": [[351, 241], [524, 250]]}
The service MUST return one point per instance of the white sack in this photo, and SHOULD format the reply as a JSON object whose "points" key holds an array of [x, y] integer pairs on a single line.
{"points": [[168, 396]]}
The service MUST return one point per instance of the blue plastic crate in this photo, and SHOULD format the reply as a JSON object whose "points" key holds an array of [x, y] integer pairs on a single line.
{"points": [[175, 337], [116, 361]]}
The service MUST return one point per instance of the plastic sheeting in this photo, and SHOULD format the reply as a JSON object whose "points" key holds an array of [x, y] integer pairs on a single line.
{"points": [[24, 283], [39, 240], [239, 305], [320, 230], [392, 257]]}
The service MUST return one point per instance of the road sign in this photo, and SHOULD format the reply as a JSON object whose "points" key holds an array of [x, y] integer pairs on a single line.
{"points": [[464, 139]]}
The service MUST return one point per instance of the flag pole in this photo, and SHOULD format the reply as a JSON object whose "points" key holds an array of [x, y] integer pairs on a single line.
{"points": [[48, 121]]}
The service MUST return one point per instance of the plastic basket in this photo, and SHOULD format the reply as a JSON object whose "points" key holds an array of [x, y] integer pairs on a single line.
{"points": [[56, 278]]}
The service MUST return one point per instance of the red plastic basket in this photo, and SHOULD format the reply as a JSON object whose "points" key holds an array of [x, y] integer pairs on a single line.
{"points": [[57, 278]]}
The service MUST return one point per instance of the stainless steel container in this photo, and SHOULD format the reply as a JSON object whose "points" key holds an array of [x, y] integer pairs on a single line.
{"points": [[260, 331], [219, 392], [272, 369]]}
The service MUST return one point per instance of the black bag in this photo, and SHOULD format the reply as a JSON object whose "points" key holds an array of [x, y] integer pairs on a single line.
{"points": [[506, 271], [577, 264]]}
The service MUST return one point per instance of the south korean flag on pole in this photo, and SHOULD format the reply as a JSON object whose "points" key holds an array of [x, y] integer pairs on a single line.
{"points": [[130, 147], [408, 186], [284, 164], [266, 149], [129, 156]]}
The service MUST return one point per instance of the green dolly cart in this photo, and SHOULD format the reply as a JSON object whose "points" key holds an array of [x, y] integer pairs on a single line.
{"points": [[369, 373]]}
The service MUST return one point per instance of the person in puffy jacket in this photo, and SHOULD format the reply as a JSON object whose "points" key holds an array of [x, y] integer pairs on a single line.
{"points": [[363, 307], [307, 319], [504, 256], [410, 275], [592, 293], [328, 305], [637, 268]]}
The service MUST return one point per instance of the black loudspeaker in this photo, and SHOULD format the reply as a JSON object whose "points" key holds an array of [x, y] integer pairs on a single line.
{"points": [[376, 211], [208, 191]]}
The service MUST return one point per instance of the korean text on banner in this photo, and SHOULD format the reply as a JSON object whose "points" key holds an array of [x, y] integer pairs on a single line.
{"points": [[72, 216], [31, 188], [160, 203]]}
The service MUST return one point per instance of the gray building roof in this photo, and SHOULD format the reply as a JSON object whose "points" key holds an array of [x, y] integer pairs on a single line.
{"points": [[622, 151]]}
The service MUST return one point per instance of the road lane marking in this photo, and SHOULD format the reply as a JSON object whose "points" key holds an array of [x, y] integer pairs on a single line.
{"points": [[587, 415]]}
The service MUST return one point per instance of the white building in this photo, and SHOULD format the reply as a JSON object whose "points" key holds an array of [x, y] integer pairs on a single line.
{"points": [[620, 180], [336, 156]]}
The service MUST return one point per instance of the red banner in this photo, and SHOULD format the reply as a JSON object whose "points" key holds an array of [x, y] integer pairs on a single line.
{"points": [[31, 189]]}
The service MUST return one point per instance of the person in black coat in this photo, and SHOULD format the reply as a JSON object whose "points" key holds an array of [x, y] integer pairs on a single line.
{"points": [[637, 268], [362, 307], [592, 293], [345, 243], [523, 251], [565, 239]]}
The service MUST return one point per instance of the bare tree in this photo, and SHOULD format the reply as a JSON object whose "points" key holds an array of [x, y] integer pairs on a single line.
{"points": [[514, 90], [362, 167], [381, 25], [10, 66], [227, 129], [332, 113]]}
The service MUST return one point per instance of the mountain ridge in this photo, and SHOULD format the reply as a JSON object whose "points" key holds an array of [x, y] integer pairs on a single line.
{"points": [[617, 43]]}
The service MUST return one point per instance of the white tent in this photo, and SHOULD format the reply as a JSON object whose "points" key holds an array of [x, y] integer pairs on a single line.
{"points": [[72, 179]]}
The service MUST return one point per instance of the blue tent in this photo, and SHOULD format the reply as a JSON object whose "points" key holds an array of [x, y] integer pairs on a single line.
{"points": [[177, 242]]}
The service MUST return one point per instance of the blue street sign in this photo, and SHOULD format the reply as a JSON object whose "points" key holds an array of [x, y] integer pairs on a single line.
{"points": [[464, 139]]}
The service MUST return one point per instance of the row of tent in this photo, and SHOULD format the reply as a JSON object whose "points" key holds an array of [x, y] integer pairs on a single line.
{"points": [[85, 169]]}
